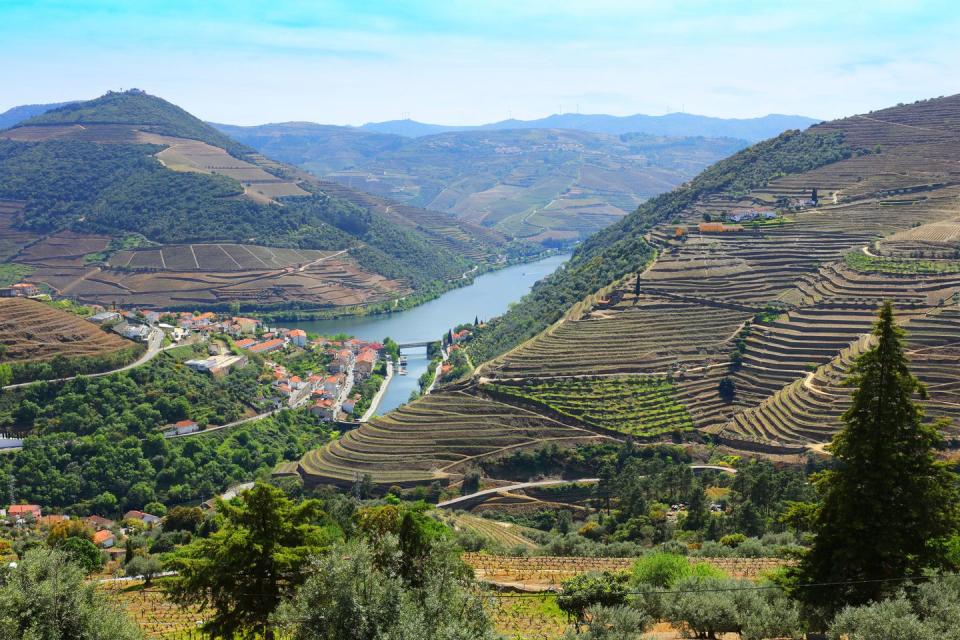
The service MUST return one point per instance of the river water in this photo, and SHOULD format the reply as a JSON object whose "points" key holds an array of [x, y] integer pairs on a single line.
{"points": [[488, 296]]}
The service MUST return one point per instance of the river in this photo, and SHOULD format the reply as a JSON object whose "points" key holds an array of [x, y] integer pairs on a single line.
{"points": [[489, 295]]}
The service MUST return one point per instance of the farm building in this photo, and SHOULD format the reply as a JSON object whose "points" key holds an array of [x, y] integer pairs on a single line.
{"points": [[133, 331], [268, 346], [7, 442], [104, 317], [104, 539], [20, 290], [718, 227], [146, 518], [24, 510], [99, 522], [218, 365], [181, 428], [752, 214]]}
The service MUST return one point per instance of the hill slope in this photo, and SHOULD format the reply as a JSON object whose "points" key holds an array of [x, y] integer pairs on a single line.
{"points": [[732, 308], [129, 165], [546, 185]]}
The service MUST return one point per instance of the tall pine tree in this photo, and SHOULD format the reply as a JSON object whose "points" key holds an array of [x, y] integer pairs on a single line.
{"points": [[888, 506]]}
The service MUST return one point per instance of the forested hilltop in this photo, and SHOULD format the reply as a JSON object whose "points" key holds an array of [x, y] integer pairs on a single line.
{"points": [[133, 164]]}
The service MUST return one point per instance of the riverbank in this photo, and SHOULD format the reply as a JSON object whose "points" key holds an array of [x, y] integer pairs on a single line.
{"points": [[380, 393], [397, 305], [490, 294]]}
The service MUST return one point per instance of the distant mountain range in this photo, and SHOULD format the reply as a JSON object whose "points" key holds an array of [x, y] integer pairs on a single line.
{"points": [[554, 179], [546, 185], [13, 116], [671, 124]]}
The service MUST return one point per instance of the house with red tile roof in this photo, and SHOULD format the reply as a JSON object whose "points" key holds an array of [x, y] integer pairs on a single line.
{"points": [[246, 343], [365, 361], [24, 510], [323, 409], [146, 518], [298, 337], [98, 522], [268, 346], [104, 539]]}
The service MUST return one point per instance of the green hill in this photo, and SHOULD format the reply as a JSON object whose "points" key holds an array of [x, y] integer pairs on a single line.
{"points": [[142, 165], [546, 185], [148, 113]]}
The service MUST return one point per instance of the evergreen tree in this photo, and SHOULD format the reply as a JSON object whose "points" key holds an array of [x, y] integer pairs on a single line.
{"points": [[636, 288], [260, 552], [888, 506]]}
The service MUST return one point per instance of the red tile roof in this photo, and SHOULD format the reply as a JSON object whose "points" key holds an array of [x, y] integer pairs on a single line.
{"points": [[102, 536]]}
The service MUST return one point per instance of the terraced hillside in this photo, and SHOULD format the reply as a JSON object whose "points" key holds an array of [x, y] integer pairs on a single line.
{"points": [[31, 331], [80, 181], [433, 439], [750, 298], [544, 184]]}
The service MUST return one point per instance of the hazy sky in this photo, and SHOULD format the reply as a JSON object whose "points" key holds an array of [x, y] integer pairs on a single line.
{"points": [[467, 62]]}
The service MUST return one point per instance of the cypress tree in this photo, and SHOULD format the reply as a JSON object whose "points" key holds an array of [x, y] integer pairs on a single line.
{"points": [[888, 507]]}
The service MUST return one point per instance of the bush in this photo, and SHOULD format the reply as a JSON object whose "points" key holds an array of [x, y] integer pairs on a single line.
{"points": [[580, 593], [612, 623], [46, 596], [709, 606], [733, 540], [660, 570]]}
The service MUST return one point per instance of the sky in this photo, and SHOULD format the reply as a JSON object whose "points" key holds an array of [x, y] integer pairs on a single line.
{"points": [[470, 62]]}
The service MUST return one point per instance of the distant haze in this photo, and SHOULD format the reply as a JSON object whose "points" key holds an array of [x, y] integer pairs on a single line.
{"points": [[672, 124]]}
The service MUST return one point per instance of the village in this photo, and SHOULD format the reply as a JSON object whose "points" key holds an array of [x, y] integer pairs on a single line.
{"points": [[323, 383]]}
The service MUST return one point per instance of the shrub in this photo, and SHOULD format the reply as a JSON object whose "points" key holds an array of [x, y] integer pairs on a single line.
{"points": [[733, 540], [588, 590]]}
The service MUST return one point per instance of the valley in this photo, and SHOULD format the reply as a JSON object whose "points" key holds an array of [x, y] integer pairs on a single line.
{"points": [[744, 323], [549, 186], [102, 201]]}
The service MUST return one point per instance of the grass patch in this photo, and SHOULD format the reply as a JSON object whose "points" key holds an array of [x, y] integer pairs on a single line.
{"points": [[636, 406], [863, 263], [13, 273]]}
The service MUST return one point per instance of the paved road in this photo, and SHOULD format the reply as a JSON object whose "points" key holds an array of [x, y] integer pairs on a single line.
{"points": [[154, 342], [379, 396], [448, 504], [236, 423]]}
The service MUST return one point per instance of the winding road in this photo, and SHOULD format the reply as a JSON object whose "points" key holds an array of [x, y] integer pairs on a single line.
{"points": [[453, 502], [154, 342]]}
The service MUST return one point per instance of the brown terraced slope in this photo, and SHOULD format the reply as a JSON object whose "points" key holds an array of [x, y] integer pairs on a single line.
{"points": [[129, 200], [780, 307]]}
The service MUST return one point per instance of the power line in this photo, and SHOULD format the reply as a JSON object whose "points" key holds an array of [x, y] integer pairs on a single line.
{"points": [[548, 593]]}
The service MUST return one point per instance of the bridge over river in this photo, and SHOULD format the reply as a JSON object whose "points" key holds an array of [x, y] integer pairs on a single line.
{"points": [[414, 345]]}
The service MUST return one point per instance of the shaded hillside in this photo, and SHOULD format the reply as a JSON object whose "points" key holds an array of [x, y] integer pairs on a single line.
{"points": [[541, 184], [131, 163]]}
